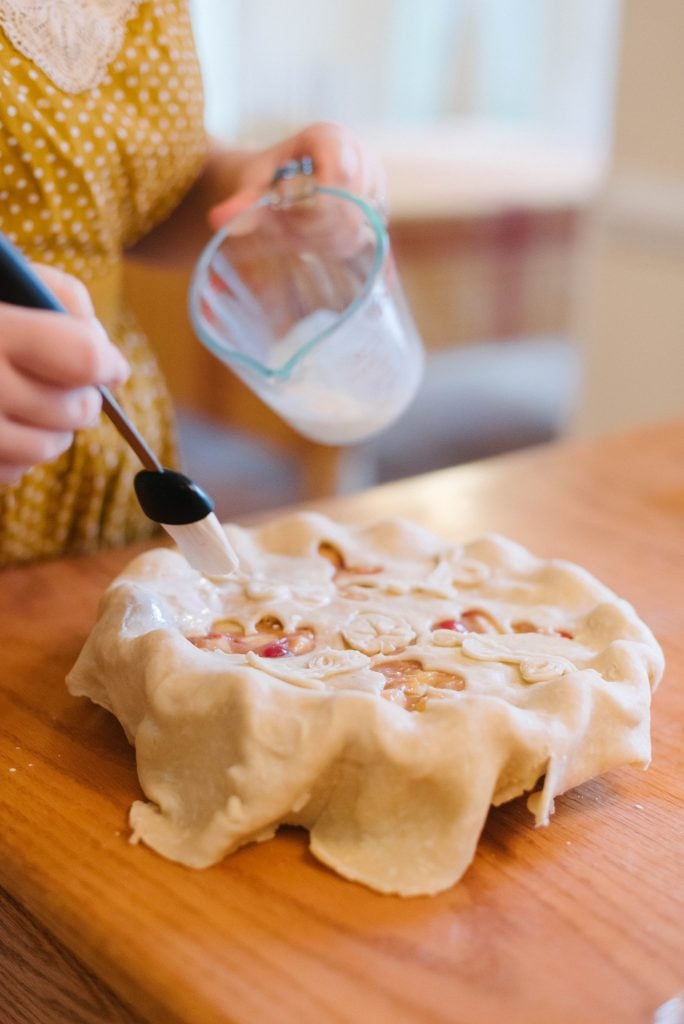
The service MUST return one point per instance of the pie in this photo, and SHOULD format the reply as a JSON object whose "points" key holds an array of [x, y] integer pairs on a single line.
{"points": [[377, 685]]}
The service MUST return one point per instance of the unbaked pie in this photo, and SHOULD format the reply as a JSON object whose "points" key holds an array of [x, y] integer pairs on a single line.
{"points": [[376, 685]]}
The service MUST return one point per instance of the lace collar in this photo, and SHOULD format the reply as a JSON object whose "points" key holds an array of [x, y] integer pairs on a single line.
{"points": [[72, 41]]}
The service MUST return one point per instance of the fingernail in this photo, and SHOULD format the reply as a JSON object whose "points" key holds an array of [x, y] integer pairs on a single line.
{"points": [[84, 407], [349, 161], [115, 369], [122, 369]]}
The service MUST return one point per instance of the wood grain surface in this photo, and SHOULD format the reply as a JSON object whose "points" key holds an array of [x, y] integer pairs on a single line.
{"points": [[575, 923]]}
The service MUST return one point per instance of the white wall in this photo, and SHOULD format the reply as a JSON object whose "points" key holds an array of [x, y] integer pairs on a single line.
{"points": [[272, 65], [631, 322]]}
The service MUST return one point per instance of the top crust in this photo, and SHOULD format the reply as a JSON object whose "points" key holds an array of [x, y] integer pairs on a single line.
{"points": [[436, 679]]}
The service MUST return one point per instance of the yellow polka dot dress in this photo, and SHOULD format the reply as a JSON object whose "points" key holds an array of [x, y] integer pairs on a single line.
{"points": [[84, 172]]}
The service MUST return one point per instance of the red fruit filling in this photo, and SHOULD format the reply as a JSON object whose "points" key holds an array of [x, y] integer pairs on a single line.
{"points": [[473, 620], [276, 649], [456, 624], [268, 642]]}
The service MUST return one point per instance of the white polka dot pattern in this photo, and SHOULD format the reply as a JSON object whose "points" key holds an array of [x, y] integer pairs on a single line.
{"points": [[82, 176], [102, 166]]}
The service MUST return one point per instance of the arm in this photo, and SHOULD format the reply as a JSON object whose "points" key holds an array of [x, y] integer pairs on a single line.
{"points": [[178, 240]]}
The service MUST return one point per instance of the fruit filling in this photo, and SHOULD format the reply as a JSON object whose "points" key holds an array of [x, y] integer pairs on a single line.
{"points": [[478, 620], [269, 641], [407, 683], [472, 620], [336, 558], [529, 627]]}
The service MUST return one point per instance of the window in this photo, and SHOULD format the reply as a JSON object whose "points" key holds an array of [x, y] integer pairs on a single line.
{"points": [[545, 66]]}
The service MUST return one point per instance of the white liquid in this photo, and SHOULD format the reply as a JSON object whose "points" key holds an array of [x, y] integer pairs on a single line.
{"points": [[356, 381]]}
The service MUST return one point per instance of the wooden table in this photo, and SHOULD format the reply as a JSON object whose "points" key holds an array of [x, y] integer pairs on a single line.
{"points": [[579, 922]]}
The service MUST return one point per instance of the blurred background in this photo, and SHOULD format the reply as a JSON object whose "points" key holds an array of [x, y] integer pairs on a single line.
{"points": [[535, 161]]}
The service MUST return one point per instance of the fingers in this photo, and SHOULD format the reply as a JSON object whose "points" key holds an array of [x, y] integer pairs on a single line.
{"points": [[46, 407], [56, 349], [71, 292], [244, 197], [37, 421], [336, 153], [51, 365], [340, 159]]}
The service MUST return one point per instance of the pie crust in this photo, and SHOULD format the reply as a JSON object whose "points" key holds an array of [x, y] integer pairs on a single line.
{"points": [[376, 685]]}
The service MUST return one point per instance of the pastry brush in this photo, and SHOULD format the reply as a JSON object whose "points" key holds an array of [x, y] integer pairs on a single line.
{"points": [[166, 496]]}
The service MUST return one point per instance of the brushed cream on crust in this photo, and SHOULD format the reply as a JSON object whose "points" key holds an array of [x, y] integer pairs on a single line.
{"points": [[376, 685]]}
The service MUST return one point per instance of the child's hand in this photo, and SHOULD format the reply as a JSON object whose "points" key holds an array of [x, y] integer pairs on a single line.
{"points": [[50, 365], [339, 159]]}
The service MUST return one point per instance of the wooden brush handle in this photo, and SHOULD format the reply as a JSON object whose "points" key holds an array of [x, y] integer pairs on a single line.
{"points": [[115, 413]]}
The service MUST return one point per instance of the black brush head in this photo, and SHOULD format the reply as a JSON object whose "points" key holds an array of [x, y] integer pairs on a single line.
{"points": [[169, 497]]}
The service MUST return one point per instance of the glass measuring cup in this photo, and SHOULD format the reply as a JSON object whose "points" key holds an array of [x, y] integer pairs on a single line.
{"points": [[299, 296]]}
